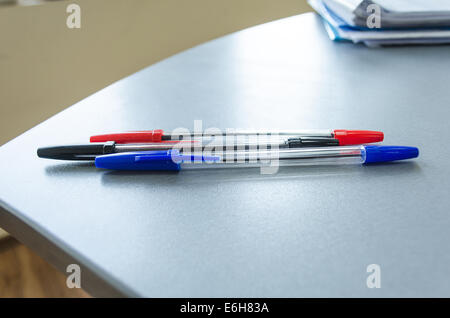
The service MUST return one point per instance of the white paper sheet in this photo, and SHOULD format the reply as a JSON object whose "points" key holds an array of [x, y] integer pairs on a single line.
{"points": [[413, 5]]}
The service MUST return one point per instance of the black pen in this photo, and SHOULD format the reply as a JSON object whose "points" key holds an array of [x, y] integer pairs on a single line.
{"points": [[92, 150]]}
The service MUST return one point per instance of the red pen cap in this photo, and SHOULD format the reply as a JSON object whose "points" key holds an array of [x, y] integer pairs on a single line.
{"points": [[357, 137], [130, 137]]}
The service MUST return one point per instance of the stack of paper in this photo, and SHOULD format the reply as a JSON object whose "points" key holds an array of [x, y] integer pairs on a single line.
{"points": [[386, 22]]}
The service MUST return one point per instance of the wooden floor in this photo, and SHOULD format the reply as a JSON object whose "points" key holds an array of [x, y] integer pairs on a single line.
{"points": [[25, 274]]}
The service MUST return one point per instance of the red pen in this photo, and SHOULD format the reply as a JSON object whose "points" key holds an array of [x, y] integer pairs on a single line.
{"points": [[345, 137]]}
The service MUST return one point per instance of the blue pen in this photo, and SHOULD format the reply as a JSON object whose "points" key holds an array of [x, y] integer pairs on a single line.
{"points": [[174, 160]]}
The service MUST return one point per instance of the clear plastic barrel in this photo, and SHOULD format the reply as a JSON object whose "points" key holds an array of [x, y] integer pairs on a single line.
{"points": [[281, 157], [254, 132]]}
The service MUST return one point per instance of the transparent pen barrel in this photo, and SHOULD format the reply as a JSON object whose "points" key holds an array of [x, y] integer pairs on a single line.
{"points": [[281, 157], [240, 145], [261, 132]]}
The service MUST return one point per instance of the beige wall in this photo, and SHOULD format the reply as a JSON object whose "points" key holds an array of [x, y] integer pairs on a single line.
{"points": [[46, 67]]}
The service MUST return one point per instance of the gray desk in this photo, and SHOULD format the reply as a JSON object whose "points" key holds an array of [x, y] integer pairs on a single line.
{"points": [[301, 232]]}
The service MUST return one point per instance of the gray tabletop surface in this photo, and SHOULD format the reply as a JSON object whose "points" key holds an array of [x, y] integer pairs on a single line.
{"points": [[236, 233]]}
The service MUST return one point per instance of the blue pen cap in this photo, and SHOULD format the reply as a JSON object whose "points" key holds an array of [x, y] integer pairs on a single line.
{"points": [[389, 153], [148, 160]]}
